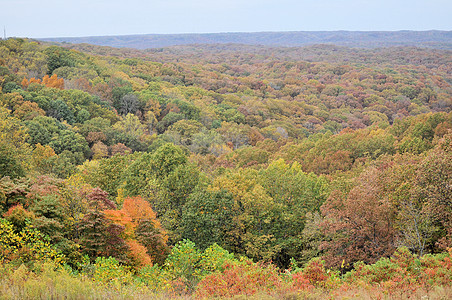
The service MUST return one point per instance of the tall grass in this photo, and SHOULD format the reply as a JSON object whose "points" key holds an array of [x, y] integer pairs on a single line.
{"points": [[60, 283]]}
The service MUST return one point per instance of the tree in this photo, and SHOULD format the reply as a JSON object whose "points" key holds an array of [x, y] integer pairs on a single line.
{"points": [[178, 185], [41, 158], [25, 246], [168, 120], [296, 195], [234, 133], [204, 141], [71, 141], [358, 226], [131, 125], [164, 178], [98, 235], [58, 57], [119, 149], [148, 229], [14, 151], [9, 165], [143, 232], [53, 81], [413, 220], [166, 159], [253, 215], [118, 92], [28, 110], [51, 220], [185, 129], [41, 129], [61, 111], [434, 179], [208, 218], [129, 104], [99, 150]]}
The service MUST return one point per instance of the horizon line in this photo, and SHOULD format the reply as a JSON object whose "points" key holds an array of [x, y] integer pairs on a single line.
{"points": [[240, 32]]}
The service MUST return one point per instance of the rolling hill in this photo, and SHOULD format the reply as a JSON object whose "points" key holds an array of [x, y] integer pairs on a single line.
{"points": [[365, 39]]}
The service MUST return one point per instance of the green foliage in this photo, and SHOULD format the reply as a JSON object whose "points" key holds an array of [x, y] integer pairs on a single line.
{"points": [[296, 194], [110, 173], [166, 159], [73, 142], [179, 184], [119, 92], [168, 120], [59, 110], [42, 129], [14, 151], [58, 57], [109, 271], [51, 220], [153, 277], [207, 218], [10, 87], [214, 258], [9, 166], [137, 174], [183, 263]]}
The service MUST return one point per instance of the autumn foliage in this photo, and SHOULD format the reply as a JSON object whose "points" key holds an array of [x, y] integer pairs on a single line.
{"points": [[244, 278], [52, 82], [225, 171], [142, 231]]}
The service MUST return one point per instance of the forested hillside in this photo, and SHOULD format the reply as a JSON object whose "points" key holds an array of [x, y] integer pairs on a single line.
{"points": [[436, 39], [320, 170]]}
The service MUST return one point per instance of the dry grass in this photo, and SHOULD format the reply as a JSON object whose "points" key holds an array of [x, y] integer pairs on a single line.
{"points": [[49, 283]]}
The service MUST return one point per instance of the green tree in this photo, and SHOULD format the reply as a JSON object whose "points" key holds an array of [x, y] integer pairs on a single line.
{"points": [[207, 218], [42, 129], [72, 142], [58, 57], [61, 111], [15, 153], [296, 194]]}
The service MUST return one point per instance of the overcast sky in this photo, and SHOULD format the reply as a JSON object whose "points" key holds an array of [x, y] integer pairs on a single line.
{"points": [[66, 18]]}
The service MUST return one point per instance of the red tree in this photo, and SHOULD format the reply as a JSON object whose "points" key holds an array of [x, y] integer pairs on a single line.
{"points": [[359, 225]]}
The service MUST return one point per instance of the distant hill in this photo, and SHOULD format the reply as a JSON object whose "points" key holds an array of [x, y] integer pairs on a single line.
{"points": [[365, 39]]}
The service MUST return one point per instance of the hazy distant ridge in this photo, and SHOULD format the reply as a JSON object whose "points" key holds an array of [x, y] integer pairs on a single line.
{"points": [[367, 39]]}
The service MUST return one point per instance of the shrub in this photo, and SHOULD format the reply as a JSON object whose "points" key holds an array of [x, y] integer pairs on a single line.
{"points": [[182, 266], [27, 246], [314, 275], [110, 271], [241, 278]]}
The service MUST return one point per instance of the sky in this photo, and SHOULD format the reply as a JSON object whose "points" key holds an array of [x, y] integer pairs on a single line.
{"points": [[76, 18]]}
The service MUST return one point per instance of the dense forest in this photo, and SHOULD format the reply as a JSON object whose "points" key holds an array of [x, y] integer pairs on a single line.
{"points": [[364, 39], [225, 170]]}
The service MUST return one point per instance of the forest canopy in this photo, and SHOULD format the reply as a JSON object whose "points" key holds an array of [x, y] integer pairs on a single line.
{"points": [[181, 164]]}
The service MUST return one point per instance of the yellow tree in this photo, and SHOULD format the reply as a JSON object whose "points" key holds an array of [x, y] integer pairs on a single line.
{"points": [[253, 214], [40, 158]]}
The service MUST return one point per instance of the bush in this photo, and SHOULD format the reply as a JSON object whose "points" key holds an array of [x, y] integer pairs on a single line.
{"points": [[182, 266], [314, 275], [27, 246], [241, 278], [109, 271]]}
